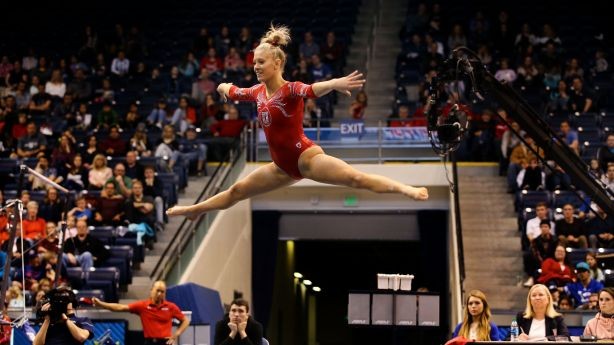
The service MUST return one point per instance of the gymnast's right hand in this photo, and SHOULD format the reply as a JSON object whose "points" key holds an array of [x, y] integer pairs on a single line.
{"points": [[223, 89]]}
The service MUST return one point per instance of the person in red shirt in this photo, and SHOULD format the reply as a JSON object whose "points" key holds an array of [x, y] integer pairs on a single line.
{"points": [[34, 227], [280, 113], [156, 315], [229, 127]]}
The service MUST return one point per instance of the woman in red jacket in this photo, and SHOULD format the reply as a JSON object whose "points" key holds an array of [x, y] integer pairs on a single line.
{"points": [[556, 271], [280, 113]]}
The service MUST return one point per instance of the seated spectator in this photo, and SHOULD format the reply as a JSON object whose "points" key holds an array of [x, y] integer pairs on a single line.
{"points": [[105, 94], [62, 156], [99, 172], [332, 53], [120, 66], [608, 177], [20, 129], [519, 154], [32, 144], [570, 229], [180, 116], [301, 72], [33, 225], [81, 210], [107, 117], [193, 151], [139, 144], [123, 183], [231, 127], [311, 114], [401, 119], [51, 241], [40, 103], [84, 250], [565, 303], [55, 87], [570, 136], [505, 73], [600, 326], [189, 66], [77, 175], [212, 63], [52, 207], [476, 324], [540, 321], [573, 70], [533, 225], [134, 170], [202, 86], [595, 271], [109, 207], [238, 326], [580, 99], [592, 304], [319, 71], [114, 145], [167, 149], [43, 168], [581, 290], [358, 106], [528, 74], [63, 114], [80, 87], [159, 116], [83, 118], [211, 111], [531, 176], [482, 133], [90, 151], [139, 207], [601, 230], [556, 271], [542, 248], [309, 47], [594, 169], [152, 186], [132, 118], [559, 98], [233, 63]]}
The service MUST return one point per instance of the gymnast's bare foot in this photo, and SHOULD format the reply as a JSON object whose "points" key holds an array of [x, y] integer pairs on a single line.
{"points": [[182, 211], [417, 193]]}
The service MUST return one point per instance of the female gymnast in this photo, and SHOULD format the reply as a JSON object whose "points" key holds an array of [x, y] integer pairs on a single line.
{"points": [[280, 113]]}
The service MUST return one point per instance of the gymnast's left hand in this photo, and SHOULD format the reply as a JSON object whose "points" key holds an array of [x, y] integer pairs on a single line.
{"points": [[352, 81]]}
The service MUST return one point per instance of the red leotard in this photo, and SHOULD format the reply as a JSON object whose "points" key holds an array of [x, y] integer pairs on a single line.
{"points": [[281, 117]]}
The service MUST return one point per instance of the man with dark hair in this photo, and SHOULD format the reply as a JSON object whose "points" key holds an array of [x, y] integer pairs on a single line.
{"points": [[606, 152], [570, 229], [533, 225], [32, 144], [238, 327]]}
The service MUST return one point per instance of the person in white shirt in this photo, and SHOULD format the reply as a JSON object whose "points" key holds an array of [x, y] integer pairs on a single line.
{"points": [[56, 86], [120, 65], [532, 229]]}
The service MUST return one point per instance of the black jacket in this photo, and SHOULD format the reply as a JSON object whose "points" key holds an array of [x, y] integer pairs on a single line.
{"points": [[552, 324], [253, 330]]}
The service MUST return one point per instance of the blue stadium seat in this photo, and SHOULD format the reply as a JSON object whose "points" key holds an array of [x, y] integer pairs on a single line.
{"points": [[529, 199], [104, 278], [75, 276]]}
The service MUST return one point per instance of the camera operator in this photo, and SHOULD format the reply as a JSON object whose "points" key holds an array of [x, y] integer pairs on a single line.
{"points": [[61, 325]]}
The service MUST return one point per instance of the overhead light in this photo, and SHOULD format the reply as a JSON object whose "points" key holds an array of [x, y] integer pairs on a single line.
{"points": [[316, 289], [298, 275], [307, 282]]}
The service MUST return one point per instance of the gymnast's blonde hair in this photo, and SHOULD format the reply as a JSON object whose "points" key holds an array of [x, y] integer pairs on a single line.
{"points": [[274, 40]]}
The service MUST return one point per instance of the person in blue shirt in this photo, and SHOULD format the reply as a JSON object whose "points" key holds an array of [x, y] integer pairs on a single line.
{"points": [[584, 286], [476, 323], [570, 136]]}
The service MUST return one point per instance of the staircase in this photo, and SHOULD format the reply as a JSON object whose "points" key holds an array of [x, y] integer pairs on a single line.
{"points": [[386, 46], [491, 242]]}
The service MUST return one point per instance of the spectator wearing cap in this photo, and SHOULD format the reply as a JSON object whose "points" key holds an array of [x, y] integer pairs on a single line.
{"points": [[584, 286]]}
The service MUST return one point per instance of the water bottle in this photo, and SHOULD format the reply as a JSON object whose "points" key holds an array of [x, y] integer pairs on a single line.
{"points": [[514, 331]]}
